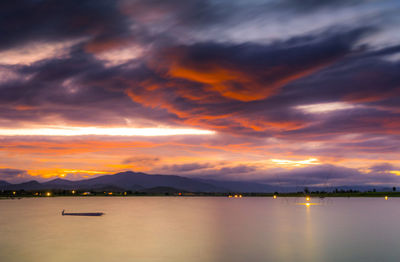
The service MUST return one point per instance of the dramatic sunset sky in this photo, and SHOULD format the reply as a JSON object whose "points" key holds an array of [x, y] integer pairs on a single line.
{"points": [[277, 91]]}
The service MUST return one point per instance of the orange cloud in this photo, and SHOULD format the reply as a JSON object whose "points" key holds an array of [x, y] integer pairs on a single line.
{"points": [[63, 173], [236, 81], [24, 108]]}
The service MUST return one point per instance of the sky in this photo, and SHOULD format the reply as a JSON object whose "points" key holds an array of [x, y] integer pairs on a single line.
{"points": [[288, 92]]}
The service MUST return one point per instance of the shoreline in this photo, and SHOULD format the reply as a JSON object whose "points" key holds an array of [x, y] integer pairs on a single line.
{"points": [[236, 195]]}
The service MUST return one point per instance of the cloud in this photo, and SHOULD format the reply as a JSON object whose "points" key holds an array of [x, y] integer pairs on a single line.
{"points": [[13, 175], [218, 170], [313, 5], [35, 52], [27, 20], [227, 87], [141, 160], [255, 72], [251, 72], [384, 167], [184, 168], [330, 175]]}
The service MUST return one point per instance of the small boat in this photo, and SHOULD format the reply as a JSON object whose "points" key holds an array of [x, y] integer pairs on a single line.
{"points": [[94, 214]]}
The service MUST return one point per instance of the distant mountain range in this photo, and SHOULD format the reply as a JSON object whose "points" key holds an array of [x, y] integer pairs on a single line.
{"points": [[132, 181], [141, 182]]}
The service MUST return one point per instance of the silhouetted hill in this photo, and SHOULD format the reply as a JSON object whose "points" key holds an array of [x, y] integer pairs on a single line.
{"points": [[2, 182], [59, 183], [132, 181], [30, 185], [129, 181], [122, 181]]}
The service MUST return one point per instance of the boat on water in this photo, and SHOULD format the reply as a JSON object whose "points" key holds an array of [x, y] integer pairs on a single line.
{"points": [[92, 214]]}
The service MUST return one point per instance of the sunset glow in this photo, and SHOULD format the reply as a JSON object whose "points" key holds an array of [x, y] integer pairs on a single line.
{"points": [[199, 130], [99, 131], [211, 89], [310, 161]]}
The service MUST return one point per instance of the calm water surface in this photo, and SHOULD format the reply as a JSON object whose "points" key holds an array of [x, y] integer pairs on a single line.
{"points": [[200, 229]]}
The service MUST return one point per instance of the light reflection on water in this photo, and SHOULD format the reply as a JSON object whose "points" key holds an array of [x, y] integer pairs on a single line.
{"points": [[200, 229]]}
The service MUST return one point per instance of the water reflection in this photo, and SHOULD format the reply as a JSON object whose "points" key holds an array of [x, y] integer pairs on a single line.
{"points": [[200, 229], [310, 244]]}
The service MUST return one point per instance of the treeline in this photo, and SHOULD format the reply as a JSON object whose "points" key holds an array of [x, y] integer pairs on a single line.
{"points": [[83, 193]]}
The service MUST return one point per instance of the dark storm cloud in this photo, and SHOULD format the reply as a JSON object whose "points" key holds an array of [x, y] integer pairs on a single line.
{"points": [[76, 87], [312, 5], [29, 20], [361, 121], [12, 174], [317, 175], [141, 160], [364, 78], [195, 13], [212, 170], [330, 175], [384, 167], [208, 81], [366, 145], [183, 168], [243, 171]]}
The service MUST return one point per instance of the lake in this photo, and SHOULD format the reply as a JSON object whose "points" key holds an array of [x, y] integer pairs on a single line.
{"points": [[200, 229]]}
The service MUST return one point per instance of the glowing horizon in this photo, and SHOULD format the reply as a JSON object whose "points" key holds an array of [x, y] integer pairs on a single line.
{"points": [[100, 131], [286, 162]]}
